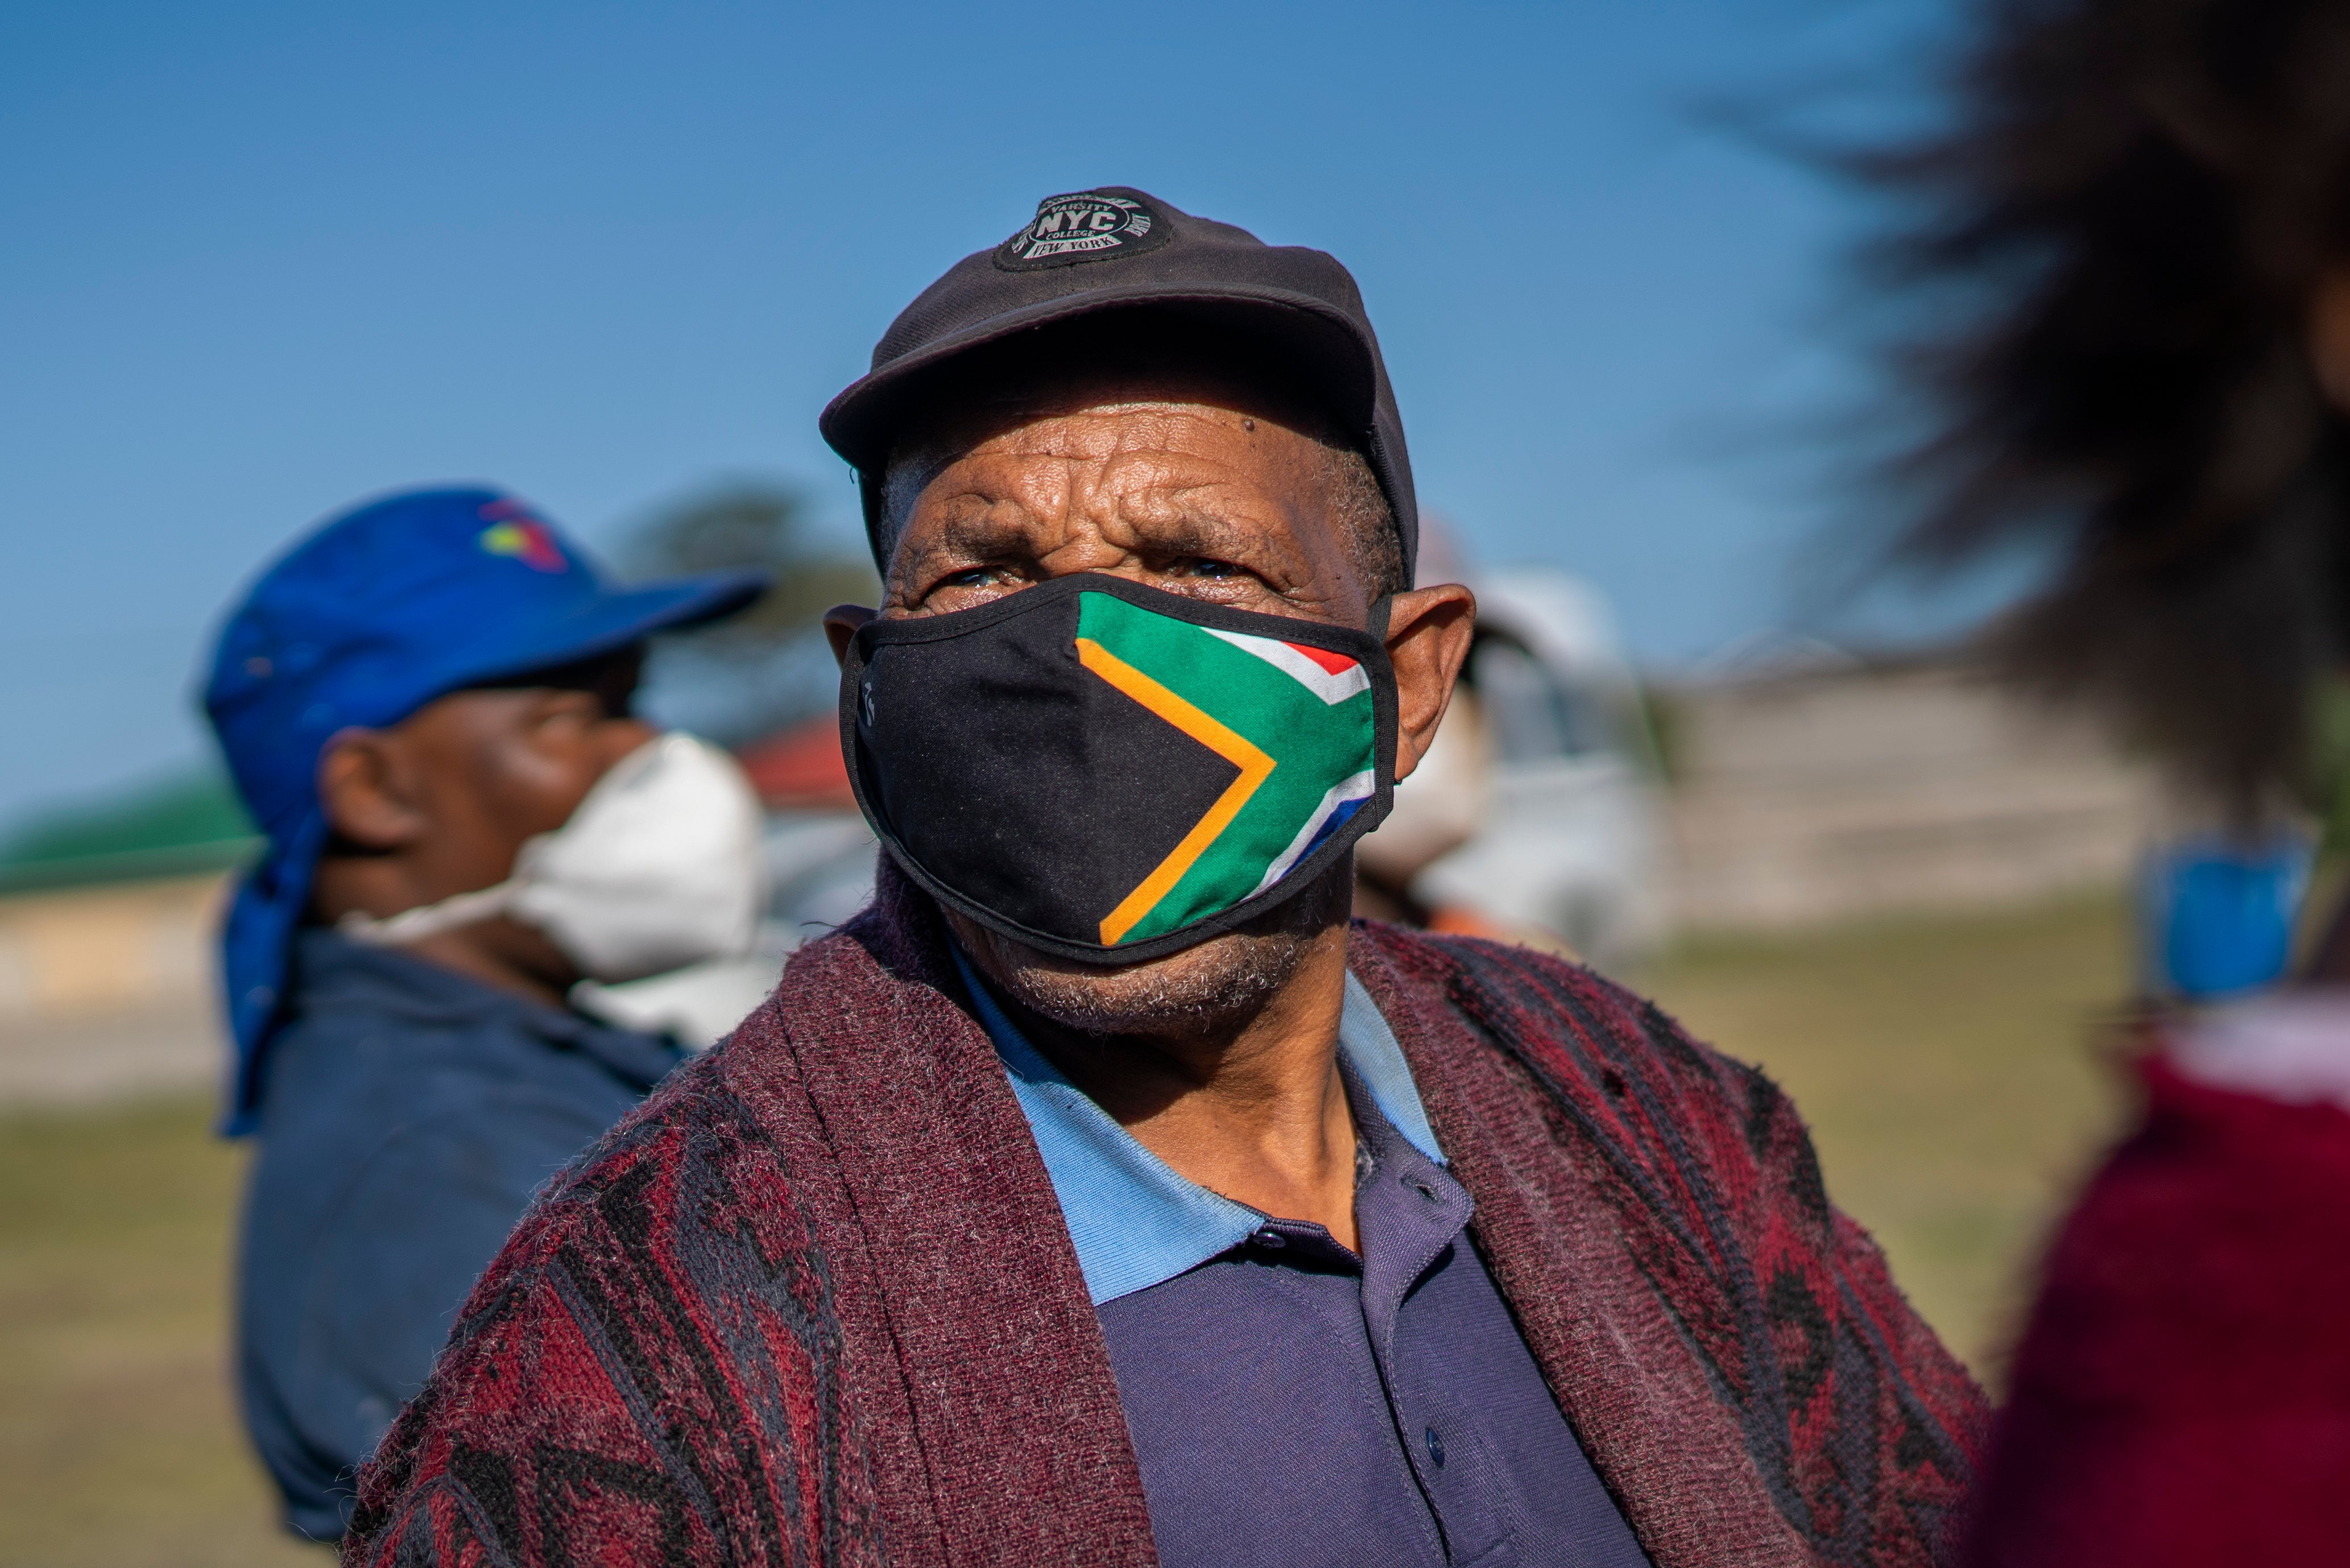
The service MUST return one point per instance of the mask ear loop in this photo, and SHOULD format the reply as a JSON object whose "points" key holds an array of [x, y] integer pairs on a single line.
{"points": [[464, 909], [428, 920], [1381, 611]]}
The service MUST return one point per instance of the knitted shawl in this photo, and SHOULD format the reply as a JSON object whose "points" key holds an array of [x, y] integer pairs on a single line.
{"points": [[814, 1302]]}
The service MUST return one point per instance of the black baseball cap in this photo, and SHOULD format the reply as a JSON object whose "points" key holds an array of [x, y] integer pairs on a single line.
{"points": [[1118, 254]]}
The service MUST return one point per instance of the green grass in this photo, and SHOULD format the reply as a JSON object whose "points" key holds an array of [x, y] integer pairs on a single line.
{"points": [[1946, 1067], [118, 1440], [1950, 1073]]}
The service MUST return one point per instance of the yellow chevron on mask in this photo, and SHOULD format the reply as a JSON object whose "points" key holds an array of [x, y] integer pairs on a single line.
{"points": [[1321, 757]]}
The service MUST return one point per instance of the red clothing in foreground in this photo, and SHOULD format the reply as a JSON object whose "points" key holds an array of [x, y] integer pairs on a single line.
{"points": [[2182, 1393]]}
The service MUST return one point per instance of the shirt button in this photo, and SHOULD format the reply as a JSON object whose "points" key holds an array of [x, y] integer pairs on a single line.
{"points": [[1270, 1239], [1435, 1447]]}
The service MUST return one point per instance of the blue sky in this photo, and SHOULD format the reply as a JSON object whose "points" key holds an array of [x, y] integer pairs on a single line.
{"points": [[260, 260]]}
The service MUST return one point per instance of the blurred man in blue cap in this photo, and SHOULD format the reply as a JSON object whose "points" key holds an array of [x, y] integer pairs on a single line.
{"points": [[425, 705]]}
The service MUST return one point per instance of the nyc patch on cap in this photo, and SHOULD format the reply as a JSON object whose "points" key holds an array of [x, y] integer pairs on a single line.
{"points": [[1083, 227]]}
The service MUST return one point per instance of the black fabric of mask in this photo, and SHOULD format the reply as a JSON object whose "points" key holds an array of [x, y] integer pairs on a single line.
{"points": [[1110, 772]]}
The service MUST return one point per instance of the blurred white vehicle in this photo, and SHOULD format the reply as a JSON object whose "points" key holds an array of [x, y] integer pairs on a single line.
{"points": [[822, 863], [1543, 782]]}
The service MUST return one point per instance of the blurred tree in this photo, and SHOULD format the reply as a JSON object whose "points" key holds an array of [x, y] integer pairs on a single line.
{"points": [[765, 668], [753, 525]]}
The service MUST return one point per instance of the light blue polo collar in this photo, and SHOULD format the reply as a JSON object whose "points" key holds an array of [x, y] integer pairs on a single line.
{"points": [[1134, 1220]]}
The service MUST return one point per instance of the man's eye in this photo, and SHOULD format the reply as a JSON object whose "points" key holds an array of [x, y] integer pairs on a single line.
{"points": [[970, 577], [1200, 567]]}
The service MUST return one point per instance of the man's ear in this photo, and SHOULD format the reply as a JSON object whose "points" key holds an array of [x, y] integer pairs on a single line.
{"points": [[367, 788], [840, 624], [2329, 337], [1427, 642]]}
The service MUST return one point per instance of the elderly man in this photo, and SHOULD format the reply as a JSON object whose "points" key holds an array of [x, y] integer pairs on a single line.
{"points": [[426, 705], [1102, 1195]]}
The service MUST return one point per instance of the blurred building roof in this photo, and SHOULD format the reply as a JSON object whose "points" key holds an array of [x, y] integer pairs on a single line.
{"points": [[178, 826]]}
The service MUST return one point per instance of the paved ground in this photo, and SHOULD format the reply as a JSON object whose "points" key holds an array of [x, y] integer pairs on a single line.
{"points": [[153, 1050]]}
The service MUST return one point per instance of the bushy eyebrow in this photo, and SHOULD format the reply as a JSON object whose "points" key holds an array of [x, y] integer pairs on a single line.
{"points": [[981, 532], [975, 532], [1199, 531]]}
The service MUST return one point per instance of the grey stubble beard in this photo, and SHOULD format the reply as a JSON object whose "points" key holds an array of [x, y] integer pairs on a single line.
{"points": [[1211, 989]]}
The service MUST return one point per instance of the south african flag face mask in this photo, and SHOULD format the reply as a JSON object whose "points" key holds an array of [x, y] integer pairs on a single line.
{"points": [[1109, 773]]}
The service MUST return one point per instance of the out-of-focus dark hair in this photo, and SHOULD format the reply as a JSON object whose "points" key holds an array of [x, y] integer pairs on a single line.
{"points": [[2110, 249]]}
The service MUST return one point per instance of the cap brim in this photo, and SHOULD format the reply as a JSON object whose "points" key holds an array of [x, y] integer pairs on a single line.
{"points": [[612, 621], [862, 423]]}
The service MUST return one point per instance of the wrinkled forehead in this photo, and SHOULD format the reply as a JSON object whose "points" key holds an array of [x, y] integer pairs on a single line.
{"points": [[1002, 394], [956, 430]]}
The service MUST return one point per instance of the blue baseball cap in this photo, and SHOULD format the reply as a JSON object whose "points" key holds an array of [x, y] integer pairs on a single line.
{"points": [[371, 616]]}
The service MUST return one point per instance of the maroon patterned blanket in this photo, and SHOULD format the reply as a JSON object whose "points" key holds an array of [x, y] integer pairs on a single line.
{"points": [[814, 1302]]}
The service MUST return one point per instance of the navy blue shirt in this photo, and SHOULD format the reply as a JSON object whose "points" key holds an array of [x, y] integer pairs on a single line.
{"points": [[408, 1114], [1292, 1403]]}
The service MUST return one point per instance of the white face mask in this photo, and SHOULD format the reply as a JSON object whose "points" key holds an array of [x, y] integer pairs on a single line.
{"points": [[660, 867]]}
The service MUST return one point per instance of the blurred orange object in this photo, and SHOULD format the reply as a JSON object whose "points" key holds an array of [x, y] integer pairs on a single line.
{"points": [[1459, 920], [800, 769]]}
